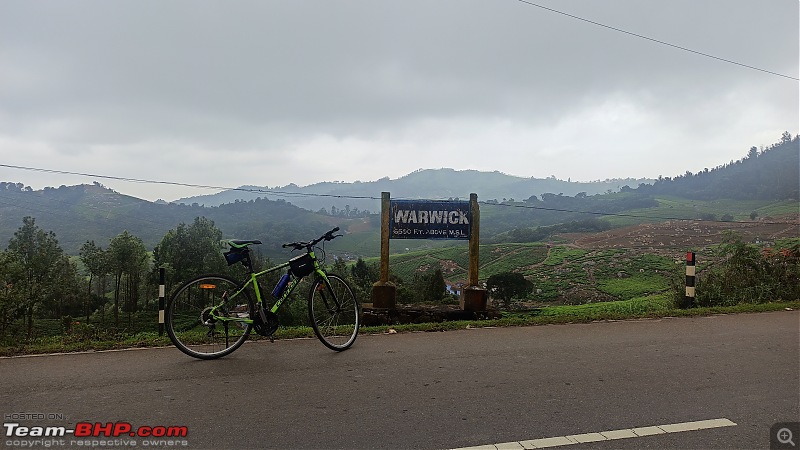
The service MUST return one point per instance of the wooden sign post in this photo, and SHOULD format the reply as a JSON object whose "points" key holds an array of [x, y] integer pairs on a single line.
{"points": [[384, 292], [430, 219], [473, 297]]}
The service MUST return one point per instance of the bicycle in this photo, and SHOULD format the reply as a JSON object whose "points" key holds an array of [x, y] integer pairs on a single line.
{"points": [[212, 315]]}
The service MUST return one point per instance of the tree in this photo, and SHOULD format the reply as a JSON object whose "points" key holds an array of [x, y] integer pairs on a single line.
{"points": [[339, 267], [66, 300], [96, 261], [9, 270], [128, 260], [365, 275], [508, 285], [430, 285], [39, 259], [189, 250]]}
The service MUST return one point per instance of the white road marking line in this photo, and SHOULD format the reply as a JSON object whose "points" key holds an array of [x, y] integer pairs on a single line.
{"points": [[547, 442], [619, 434], [647, 431], [558, 441], [588, 437], [508, 446], [699, 425]]}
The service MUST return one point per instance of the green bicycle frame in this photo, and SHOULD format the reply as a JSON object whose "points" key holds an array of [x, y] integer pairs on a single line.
{"points": [[259, 299]]}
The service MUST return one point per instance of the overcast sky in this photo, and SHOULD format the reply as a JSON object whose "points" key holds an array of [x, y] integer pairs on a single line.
{"points": [[267, 93]]}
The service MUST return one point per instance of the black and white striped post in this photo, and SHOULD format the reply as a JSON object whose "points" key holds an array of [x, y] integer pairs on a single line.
{"points": [[690, 274], [161, 277]]}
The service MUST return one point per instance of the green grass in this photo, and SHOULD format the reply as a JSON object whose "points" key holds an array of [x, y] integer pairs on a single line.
{"points": [[510, 258], [638, 284], [682, 208], [494, 258], [558, 255], [636, 308], [552, 271]]}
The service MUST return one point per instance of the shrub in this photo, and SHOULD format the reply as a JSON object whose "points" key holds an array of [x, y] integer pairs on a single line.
{"points": [[507, 286], [750, 274]]}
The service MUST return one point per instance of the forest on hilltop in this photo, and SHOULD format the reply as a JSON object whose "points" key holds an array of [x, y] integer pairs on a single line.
{"points": [[768, 173], [77, 214]]}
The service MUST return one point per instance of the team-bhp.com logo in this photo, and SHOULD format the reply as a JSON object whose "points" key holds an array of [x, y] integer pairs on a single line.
{"points": [[87, 429], [88, 434]]}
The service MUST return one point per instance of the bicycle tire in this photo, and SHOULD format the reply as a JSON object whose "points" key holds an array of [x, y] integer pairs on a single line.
{"points": [[187, 311], [334, 312]]}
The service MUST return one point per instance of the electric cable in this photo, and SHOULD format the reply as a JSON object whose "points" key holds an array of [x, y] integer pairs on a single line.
{"points": [[279, 193], [527, 2]]}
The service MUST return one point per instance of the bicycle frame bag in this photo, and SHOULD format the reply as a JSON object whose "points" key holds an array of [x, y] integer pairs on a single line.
{"points": [[301, 265], [235, 255]]}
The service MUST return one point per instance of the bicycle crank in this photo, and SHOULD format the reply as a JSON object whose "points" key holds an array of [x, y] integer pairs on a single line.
{"points": [[266, 327]]}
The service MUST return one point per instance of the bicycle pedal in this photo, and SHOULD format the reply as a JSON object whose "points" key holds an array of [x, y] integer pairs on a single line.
{"points": [[265, 328]]}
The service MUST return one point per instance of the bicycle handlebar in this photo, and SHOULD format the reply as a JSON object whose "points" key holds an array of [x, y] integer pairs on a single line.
{"points": [[301, 245]]}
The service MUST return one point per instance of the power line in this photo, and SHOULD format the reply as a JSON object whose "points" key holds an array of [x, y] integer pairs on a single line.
{"points": [[364, 197], [656, 40], [200, 186]]}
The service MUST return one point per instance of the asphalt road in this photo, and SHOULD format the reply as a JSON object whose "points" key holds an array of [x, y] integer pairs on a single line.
{"points": [[436, 390]]}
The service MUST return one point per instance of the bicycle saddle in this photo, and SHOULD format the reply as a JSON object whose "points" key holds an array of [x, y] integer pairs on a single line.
{"points": [[239, 243]]}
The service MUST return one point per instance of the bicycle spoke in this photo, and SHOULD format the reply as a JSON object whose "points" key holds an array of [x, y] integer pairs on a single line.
{"points": [[197, 317], [334, 313], [199, 314]]}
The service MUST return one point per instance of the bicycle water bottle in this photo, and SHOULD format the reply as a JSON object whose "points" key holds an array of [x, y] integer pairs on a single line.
{"points": [[281, 286]]}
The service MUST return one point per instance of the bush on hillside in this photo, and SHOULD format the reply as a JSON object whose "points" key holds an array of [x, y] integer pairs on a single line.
{"points": [[749, 274]]}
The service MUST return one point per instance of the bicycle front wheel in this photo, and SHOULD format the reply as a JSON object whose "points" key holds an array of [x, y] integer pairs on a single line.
{"points": [[334, 312], [204, 315]]}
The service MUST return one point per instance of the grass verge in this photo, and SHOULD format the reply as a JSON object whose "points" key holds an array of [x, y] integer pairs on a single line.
{"points": [[637, 308]]}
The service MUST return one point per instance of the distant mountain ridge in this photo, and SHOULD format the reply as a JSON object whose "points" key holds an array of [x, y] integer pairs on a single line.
{"points": [[77, 214], [424, 183], [93, 212], [768, 173]]}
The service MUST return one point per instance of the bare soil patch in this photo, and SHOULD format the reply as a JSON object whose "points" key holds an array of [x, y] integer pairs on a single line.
{"points": [[686, 234]]}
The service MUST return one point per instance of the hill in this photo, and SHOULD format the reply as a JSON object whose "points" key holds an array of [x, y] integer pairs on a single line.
{"points": [[620, 264], [768, 173], [763, 184], [92, 212], [428, 184]]}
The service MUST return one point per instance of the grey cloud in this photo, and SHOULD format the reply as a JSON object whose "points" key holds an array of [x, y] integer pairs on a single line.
{"points": [[270, 76]]}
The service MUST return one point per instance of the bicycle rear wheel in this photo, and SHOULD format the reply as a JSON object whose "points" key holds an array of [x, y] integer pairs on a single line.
{"points": [[334, 312], [190, 320]]}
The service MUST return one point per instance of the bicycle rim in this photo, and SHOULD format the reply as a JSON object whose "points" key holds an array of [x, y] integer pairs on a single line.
{"points": [[334, 313], [190, 322]]}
